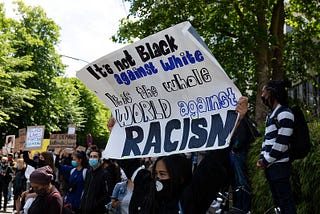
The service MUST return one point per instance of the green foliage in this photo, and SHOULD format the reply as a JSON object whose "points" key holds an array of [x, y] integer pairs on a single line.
{"points": [[32, 89], [35, 35], [304, 179], [14, 75], [247, 37], [95, 116]]}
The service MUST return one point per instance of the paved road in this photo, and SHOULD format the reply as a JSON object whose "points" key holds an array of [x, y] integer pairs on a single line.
{"points": [[9, 207]]}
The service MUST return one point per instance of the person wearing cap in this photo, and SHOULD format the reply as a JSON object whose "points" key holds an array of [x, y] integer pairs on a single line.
{"points": [[48, 199]]}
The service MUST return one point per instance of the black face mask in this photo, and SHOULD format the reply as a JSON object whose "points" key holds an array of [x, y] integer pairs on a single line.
{"points": [[163, 189], [42, 163], [41, 192], [36, 158], [266, 102]]}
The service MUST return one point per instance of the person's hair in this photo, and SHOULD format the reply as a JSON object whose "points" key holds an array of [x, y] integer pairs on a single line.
{"points": [[129, 166], [179, 169], [113, 168], [97, 151], [81, 155], [94, 148], [278, 91], [48, 159]]}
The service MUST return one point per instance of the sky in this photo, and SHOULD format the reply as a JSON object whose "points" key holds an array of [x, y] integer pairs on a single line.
{"points": [[86, 27]]}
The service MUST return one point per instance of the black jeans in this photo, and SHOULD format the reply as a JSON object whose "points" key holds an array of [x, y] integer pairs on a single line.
{"points": [[242, 193], [278, 176], [4, 189]]}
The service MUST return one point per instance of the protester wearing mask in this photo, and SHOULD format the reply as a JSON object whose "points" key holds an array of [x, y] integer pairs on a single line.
{"points": [[172, 174], [5, 178], [95, 194], [48, 199], [76, 177], [274, 156], [39, 160]]}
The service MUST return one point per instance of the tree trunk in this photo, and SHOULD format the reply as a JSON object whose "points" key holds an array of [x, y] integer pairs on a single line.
{"points": [[277, 37], [263, 78], [261, 55]]}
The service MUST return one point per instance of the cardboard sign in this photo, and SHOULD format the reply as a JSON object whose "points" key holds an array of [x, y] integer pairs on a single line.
{"points": [[34, 137], [81, 148], [167, 93], [20, 141], [63, 140], [20, 144]]}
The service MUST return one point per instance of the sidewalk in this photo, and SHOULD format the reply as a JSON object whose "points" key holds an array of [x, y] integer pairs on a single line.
{"points": [[9, 206]]}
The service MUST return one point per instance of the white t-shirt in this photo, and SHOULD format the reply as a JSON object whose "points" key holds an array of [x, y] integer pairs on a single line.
{"points": [[125, 202]]}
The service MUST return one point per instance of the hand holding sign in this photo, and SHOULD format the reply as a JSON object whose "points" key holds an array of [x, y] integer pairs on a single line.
{"points": [[242, 106]]}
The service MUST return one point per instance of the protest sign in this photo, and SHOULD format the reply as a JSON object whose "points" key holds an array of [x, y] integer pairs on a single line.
{"points": [[71, 129], [22, 132], [63, 141], [34, 137], [9, 144], [167, 93], [81, 148], [20, 141], [43, 148]]}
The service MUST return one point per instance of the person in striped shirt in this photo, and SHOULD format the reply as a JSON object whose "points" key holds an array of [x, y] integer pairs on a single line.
{"points": [[274, 156]]}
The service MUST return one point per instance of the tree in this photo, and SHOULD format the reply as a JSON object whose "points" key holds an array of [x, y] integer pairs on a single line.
{"points": [[14, 74], [32, 88], [35, 35], [95, 116], [76, 104], [246, 37]]}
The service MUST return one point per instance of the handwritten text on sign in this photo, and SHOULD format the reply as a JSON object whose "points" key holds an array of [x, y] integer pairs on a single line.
{"points": [[167, 93], [34, 136]]}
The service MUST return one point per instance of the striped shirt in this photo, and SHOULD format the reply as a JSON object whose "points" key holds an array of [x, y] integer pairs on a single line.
{"points": [[275, 147]]}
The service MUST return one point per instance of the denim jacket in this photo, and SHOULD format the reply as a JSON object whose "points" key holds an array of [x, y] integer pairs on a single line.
{"points": [[119, 191]]}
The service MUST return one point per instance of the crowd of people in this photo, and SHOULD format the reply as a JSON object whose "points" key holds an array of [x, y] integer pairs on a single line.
{"points": [[82, 182]]}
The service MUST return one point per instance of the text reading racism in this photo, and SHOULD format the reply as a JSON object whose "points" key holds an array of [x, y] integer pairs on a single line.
{"points": [[178, 135]]}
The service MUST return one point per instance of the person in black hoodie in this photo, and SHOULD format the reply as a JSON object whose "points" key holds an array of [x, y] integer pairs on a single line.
{"points": [[211, 175], [172, 174], [5, 178], [95, 194], [243, 136], [19, 183]]}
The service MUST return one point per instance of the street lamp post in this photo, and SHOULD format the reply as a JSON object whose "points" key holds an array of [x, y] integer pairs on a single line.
{"points": [[74, 58]]}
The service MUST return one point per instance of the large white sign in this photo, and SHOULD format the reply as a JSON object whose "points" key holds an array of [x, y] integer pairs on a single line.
{"points": [[167, 93]]}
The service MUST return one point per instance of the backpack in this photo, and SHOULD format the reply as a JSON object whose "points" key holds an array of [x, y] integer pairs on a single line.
{"points": [[300, 140], [84, 172], [65, 209]]}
